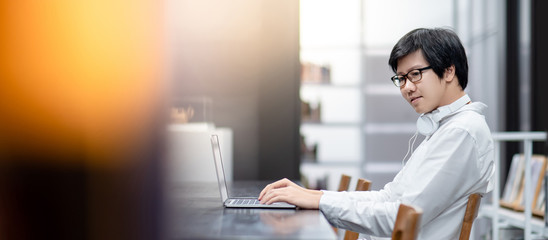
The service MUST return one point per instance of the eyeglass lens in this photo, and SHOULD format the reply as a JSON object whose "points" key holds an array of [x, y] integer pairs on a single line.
{"points": [[413, 76]]}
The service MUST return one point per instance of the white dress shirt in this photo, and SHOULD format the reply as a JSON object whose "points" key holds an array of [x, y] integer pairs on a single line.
{"points": [[449, 165]]}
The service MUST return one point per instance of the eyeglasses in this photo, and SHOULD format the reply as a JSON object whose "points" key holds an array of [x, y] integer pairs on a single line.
{"points": [[414, 75]]}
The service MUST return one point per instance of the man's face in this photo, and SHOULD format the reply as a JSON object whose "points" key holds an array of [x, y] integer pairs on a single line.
{"points": [[426, 94]]}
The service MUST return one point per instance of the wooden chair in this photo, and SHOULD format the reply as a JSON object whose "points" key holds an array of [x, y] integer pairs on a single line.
{"points": [[344, 183], [407, 223], [470, 215], [362, 185]]}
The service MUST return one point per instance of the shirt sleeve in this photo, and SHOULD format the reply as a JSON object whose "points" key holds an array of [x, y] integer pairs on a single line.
{"points": [[370, 212], [346, 210]]}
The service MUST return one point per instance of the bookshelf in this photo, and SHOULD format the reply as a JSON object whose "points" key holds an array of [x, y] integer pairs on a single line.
{"points": [[508, 217], [500, 216], [330, 90]]}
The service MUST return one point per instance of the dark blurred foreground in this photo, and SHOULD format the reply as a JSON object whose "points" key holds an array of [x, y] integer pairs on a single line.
{"points": [[81, 119]]}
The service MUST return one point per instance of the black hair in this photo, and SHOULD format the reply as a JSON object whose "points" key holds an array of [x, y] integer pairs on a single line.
{"points": [[441, 49]]}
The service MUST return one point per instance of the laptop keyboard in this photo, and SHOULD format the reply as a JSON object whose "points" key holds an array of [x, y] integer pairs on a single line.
{"points": [[245, 201]]}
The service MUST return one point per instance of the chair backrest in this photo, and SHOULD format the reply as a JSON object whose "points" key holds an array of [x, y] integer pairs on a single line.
{"points": [[407, 223], [470, 215], [344, 183], [362, 185]]}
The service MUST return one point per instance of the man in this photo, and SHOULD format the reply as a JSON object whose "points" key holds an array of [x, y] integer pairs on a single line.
{"points": [[454, 161]]}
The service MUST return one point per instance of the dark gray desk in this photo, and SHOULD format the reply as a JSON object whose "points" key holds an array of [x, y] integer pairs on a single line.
{"points": [[194, 211]]}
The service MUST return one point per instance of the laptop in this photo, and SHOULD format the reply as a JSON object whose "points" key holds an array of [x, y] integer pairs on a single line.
{"points": [[244, 202]]}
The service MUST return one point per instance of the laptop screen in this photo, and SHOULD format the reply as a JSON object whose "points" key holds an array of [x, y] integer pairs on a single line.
{"points": [[223, 189]]}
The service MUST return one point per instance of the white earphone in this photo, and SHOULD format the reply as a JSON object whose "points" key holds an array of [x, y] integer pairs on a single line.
{"points": [[428, 123]]}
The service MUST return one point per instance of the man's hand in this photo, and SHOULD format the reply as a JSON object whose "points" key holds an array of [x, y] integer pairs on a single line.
{"points": [[287, 191]]}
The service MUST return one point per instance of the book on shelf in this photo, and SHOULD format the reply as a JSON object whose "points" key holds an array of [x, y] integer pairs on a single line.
{"points": [[543, 207], [513, 183], [311, 113], [540, 203], [514, 190], [308, 153], [315, 73]]}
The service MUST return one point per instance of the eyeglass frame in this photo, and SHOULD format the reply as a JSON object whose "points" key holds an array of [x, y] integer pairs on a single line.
{"points": [[405, 78]]}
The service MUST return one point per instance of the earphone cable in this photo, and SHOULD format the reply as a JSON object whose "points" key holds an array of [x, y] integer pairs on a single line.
{"points": [[410, 146]]}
